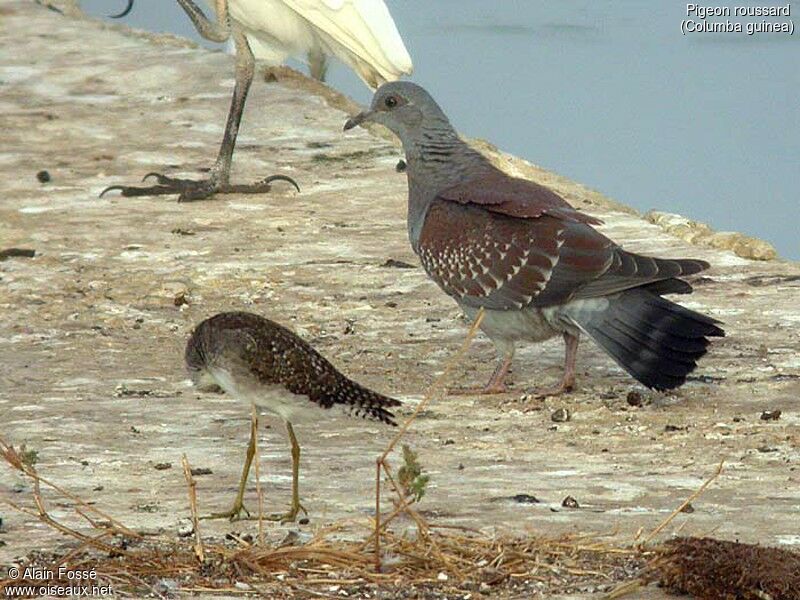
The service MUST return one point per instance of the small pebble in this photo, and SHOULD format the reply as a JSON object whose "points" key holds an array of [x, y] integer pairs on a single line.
{"points": [[634, 398], [525, 499], [165, 587], [43, 176], [180, 299], [671, 428], [162, 466], [689, 509], [185, 528], [770, 415], [201, 471], [17, 252], [560, 415], [398, 264], [570, 502]]}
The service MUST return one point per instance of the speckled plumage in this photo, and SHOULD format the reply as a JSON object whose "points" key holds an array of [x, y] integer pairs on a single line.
{"points": [[267, 360], [533, 262], [256, 360]]}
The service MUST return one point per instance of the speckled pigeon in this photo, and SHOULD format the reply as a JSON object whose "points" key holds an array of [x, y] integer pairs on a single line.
{"points": [[532, 261]]}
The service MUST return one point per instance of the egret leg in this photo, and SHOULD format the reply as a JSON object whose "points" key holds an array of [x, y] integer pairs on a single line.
{"points": [[296, 507], [318, 65], [567, 383], [218, 31], [495, 385], [218, 182], [235, 513]]}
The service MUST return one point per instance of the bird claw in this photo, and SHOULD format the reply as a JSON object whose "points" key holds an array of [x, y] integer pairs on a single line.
{"points": [[189, 190], [234, 514], [290, 516], [565, 387]]}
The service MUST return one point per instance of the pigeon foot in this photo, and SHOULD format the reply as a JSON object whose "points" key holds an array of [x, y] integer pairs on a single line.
{"points": [[486, 390]]}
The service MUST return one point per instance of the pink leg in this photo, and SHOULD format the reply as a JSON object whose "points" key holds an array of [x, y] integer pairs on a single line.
{"points": [[568, 380], [496, 384]]}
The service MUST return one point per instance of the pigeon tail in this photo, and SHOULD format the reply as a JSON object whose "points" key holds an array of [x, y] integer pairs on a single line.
{"points": [[657, 341]]}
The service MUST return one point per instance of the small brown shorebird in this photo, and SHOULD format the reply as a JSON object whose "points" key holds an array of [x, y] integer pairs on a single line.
{"points": [[258, 361]]}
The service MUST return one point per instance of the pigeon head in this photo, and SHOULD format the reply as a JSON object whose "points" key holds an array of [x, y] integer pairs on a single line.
{"points": [[403, 107]]}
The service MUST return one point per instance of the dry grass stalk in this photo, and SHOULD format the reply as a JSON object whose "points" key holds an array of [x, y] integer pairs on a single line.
{"points": [[192, 488], [383, 466], [257, 461], [438, 557], [629, 587], [685, 503], [12, 457]]}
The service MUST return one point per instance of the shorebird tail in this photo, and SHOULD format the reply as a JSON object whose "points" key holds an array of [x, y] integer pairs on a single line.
{"points": [[358, 401]]}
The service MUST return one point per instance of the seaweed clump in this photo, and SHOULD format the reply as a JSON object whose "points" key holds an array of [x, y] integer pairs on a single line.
{"points": [[706, 568]]}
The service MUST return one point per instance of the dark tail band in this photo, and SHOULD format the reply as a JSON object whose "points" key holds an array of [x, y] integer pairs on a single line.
{"points": [[657, 341]]}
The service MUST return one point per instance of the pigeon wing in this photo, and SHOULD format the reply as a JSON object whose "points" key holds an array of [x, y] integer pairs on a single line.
{"points": [[514, 197], [487, 258], [482, 258]]}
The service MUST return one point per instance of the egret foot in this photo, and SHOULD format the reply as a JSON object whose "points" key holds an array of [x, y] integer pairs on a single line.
{"points": [[189, 190]]}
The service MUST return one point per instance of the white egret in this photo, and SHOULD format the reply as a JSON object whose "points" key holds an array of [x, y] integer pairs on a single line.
{"points": [[360, 33]]}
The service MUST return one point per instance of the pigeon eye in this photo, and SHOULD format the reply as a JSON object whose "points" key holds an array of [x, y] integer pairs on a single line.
{"points": [[390, 102]]}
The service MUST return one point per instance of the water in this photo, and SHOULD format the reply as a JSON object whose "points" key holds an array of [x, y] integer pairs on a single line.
{"points": [[610, 94]]}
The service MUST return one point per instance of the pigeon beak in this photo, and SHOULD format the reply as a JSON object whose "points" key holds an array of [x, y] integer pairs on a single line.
{"points": [[357, 120]]}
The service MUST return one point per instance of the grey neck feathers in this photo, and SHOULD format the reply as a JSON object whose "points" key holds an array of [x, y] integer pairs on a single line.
{"points": [[437, 159]]}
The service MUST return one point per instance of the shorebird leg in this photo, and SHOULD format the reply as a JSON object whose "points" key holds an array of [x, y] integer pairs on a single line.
{"points": [[296, 507], [189, 190], [495, 385], [235, 513], [567, 383]]}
